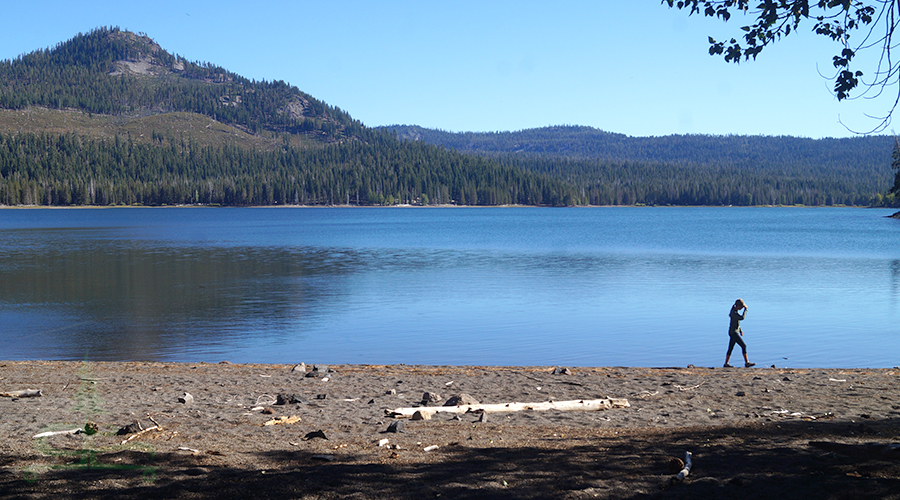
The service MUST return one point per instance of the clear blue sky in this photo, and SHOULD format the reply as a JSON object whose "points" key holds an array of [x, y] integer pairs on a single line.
{"points": [[634, 67]]}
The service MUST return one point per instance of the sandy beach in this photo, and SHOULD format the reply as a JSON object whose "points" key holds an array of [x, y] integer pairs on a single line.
{"points": [[196, 430]]}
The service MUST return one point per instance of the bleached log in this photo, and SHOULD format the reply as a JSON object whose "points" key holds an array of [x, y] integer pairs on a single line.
{"points": [[56, 433], [25, 393], [578, 405]]}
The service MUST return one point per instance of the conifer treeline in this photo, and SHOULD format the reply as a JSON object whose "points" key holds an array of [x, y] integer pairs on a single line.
{"points": [[50, 169], [356, 165]]}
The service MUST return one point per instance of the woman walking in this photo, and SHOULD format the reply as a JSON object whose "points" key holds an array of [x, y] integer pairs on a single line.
{"points": [[735, 333]]}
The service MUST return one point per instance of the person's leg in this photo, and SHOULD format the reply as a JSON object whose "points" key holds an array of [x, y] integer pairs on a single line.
{"points": [[731, 343], [747, 362]]}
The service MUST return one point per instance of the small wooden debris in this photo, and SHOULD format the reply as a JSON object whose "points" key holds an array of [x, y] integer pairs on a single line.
{"points": [[283, 420], [24, 393]]}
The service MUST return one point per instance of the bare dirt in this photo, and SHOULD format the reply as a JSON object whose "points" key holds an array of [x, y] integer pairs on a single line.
{"points": [[749, 432]]}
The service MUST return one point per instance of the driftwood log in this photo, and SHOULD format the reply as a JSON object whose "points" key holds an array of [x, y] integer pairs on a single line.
{"points": [[578, 405], [25, 393]]}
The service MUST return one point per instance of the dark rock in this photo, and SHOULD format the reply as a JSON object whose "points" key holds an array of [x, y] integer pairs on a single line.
{"points": [[129, 429], [430, 397], [288, 399], [315, 434], [396, 426]]}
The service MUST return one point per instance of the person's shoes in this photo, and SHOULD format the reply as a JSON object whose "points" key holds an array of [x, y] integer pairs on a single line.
{"points": [[748, 364], [726, 365]]}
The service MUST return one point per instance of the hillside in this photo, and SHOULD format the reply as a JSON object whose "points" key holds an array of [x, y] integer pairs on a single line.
{"points": [[687, 169], [111, 72], [110, 118]]}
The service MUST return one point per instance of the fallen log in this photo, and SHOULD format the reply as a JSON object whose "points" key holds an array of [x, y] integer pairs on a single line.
{"points": [[578, 405]]}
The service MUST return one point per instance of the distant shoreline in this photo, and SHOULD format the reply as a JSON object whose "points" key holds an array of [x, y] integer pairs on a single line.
{"points": [[25, 207]]}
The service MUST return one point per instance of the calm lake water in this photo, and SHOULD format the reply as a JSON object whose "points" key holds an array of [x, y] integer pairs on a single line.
{"points": [[495, 286]]}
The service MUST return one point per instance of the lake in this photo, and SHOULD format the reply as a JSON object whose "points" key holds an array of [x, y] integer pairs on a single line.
{"points": [[624, 286]]}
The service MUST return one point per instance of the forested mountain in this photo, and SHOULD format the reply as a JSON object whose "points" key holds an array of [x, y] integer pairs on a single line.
{"points": [[109, 118], [612, 168]]}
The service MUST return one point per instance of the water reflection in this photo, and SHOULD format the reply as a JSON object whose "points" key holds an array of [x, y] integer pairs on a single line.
{"points": [[133, 301]]}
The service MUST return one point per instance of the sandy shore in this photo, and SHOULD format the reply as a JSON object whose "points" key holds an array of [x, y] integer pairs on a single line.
{"points": [[749, 432]]}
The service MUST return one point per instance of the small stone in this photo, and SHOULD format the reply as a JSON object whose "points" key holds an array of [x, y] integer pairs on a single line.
{"points": [[186, 399], [321, 396], [561, 371], [301, 368], [482, 418], [740, 394]]}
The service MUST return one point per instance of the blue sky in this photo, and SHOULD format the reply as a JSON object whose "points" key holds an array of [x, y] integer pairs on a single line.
{"points": [[634, 67]]}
